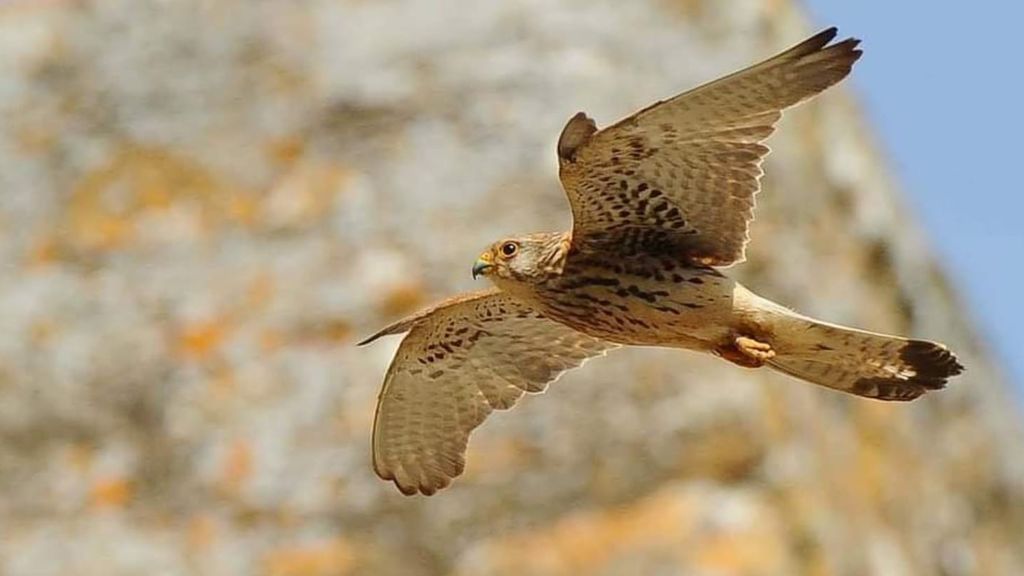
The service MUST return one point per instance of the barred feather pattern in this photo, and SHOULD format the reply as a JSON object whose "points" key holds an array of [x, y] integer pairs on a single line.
{"points": [[680, 176], [460, 361]]}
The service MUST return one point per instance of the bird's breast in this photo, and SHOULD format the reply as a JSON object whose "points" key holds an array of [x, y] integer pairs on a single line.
{"points": [[647, 301]]}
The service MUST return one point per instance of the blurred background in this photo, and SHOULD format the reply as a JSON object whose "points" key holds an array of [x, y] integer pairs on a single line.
{"points": [[204, 205]]}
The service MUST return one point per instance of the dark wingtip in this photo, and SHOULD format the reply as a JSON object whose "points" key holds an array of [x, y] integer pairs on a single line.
{"points": [[393, 329], [366, 341], [820, 45], [933, 362], [396, 328], [819, 40], [851, 46]]}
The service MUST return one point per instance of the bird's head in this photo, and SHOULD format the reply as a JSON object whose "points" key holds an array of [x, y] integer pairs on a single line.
{"points": [[523, 259]]}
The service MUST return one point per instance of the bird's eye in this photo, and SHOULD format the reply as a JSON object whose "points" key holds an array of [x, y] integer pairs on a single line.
{"points": [[509, 249]]}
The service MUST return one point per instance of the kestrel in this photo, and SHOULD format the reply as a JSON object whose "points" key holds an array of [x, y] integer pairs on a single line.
{"points": [[660, 201]]}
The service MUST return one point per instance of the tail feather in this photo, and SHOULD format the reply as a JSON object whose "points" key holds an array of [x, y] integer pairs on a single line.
{"points": [[862, 363]]}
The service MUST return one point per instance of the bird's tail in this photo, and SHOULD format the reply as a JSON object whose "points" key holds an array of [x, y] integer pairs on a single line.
{"points": [[858, 362]]}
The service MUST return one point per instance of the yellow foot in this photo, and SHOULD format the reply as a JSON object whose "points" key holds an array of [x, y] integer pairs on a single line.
{"points": [[747, 352]]}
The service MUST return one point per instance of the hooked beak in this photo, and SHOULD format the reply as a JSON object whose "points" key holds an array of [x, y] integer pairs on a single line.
{"points": [[482, 265]]}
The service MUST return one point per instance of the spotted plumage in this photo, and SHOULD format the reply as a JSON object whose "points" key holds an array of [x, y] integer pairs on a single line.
{"points": [[460, 361], [659, 200]]}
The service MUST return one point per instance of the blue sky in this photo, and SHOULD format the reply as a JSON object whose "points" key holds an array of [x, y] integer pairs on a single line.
{"points": [[944, 85]]}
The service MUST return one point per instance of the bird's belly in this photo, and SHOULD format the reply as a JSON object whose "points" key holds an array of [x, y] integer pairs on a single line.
{"points": [[688, 308]]}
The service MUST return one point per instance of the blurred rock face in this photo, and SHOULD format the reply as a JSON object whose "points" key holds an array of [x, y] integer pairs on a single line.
{"points": [[204, 203]]}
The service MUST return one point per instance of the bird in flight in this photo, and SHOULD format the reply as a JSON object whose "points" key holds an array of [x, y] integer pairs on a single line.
{"points": [[660, 202]]}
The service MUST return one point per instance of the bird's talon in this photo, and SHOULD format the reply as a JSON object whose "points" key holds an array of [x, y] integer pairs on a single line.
{"points": [[747, 352], [754, 348]]}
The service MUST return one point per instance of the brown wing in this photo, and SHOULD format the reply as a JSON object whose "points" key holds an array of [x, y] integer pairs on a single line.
{"points": [[461, 360], [681, 175]]}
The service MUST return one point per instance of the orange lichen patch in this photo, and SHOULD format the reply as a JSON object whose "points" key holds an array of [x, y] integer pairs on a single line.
{"points": [[44, 251], [202, 531], [237, 465], [106, 203], [402, 299], [331, 330], [101, 231], [583, 543], [243, 210], [112, 492], [679, 526], [270, 340], [303, 194], [337, 331], [748, 551], [286, 150], [201, 339], [327, 558]]}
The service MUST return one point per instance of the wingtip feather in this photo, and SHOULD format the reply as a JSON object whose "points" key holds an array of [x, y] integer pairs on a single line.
{"points": [[369, 339], [816, 42]]}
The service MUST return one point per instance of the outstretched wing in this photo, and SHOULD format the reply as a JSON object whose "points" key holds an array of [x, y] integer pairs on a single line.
{"points": [[461, 360], [680, 176]]}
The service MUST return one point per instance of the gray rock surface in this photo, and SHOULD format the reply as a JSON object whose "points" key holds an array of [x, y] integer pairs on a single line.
{"points": [[205, 203]]}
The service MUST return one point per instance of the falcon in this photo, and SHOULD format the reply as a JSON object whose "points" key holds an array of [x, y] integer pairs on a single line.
{"points": [[661, 201]]}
